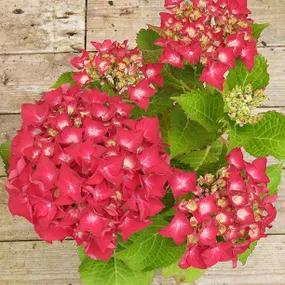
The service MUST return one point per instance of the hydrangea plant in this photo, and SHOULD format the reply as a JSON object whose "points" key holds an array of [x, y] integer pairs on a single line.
{"points": [[138, 154]]}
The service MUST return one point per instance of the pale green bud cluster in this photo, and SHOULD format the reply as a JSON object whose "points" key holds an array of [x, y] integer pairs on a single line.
{"points": [[241, 102]]}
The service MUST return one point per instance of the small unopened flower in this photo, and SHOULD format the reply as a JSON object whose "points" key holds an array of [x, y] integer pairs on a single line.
{"points": [[241, 102]]}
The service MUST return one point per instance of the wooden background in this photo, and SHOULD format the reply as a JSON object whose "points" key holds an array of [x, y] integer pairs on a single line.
{"points": [[37, 38]]}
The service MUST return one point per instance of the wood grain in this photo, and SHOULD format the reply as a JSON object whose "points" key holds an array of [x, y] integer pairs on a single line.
{"points": [[24, 77], [125, 17], [13, 228], [29, 26], [37, 263], [27, 76], [17, 228], [31, 31], [10, 123], [272, 12], [276, 88]]}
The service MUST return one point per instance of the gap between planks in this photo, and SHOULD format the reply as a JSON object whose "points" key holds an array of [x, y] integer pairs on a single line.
{"points": [[79, 50], [40, 71], [70, 239], [18, 229], [86, 24], [36, 263], [69, 25]]}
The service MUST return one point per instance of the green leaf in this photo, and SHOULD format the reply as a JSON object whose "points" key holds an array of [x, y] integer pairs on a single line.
{"points": [[169, 201], [177, 163], [145, 42], [150, 250], [5, 153], [207, 159], [204, 108], [258, 29], [64, 79], [185, 135], [274, 172], [81, 253], [103, 86], [94, 84], [189, 275], [258, 77], [265, 138], [164, 122], [244, 256], [114, 272], [182, 80]]}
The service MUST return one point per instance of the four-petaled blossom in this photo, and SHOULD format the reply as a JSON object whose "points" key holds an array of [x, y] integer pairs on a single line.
{"points": [[214, 74], [182, 182], [141, 93]]}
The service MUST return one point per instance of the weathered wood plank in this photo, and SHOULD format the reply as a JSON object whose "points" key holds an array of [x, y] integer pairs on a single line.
{"points": [[24, 77], [35, 263], [122, 20], [29, 26], [17, 228], [13, 228], [119, 19], [276, 88], [10, 123], [272, 12]]}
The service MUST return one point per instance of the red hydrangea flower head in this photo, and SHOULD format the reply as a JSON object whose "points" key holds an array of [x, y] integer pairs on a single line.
{"points": [[225, 214], [82, 168], [208, 32], [122, 68]]}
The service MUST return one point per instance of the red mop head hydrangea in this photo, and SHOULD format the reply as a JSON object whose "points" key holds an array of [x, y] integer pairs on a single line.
{"points": [[208, 32], [81, 168], [122, 68], [225, 213]]}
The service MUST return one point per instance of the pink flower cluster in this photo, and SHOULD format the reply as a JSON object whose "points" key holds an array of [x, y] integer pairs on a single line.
{"points": [[122, 68], [223, 214], [213, 33], [81, 168]]}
